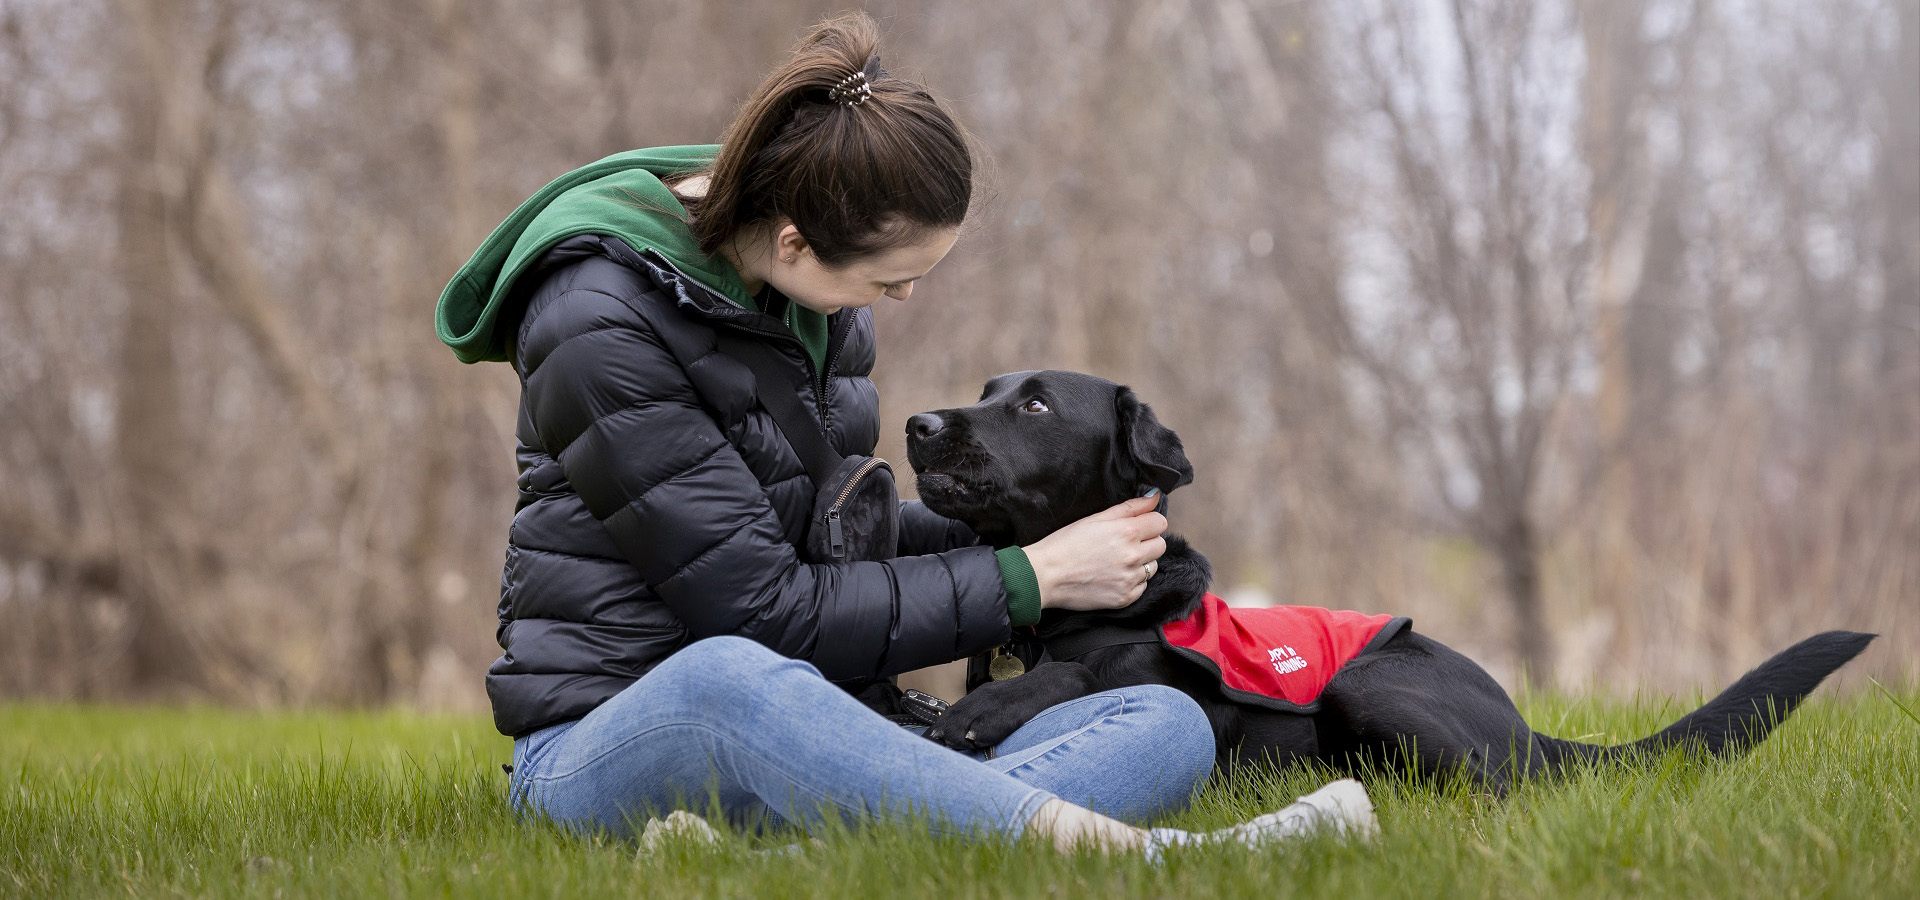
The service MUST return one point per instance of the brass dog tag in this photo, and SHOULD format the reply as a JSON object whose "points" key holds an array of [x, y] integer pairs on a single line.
{"points": [[1004, 665]]}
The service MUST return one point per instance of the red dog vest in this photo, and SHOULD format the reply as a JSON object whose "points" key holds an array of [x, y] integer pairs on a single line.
{"points": [[1280, 657]]}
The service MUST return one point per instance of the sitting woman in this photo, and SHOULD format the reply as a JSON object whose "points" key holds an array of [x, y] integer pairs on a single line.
{"points": [[666, 641]]}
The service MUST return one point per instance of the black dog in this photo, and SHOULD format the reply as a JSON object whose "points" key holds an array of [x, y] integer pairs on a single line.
{"points": [[1043, 449]]}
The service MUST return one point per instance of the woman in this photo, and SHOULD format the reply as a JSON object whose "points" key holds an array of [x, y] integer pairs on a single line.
{"points": [[664, 643]]}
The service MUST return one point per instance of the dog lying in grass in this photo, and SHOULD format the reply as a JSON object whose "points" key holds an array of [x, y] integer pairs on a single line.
{"points": [[1043, 449]]}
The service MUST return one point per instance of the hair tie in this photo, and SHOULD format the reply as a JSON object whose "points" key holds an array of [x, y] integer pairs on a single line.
{"points": [[852, 90], [857, 87]]}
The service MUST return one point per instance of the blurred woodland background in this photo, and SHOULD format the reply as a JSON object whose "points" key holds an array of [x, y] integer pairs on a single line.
{"points": [[1586, 332]]}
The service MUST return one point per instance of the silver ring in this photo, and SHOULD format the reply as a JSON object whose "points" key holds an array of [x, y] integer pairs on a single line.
{"points": [[1149, 567]]}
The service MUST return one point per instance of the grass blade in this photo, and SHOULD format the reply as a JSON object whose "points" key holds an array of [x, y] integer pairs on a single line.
{"points": [[1895, 700]]}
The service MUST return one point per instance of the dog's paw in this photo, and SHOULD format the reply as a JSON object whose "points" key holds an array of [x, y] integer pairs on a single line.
{"points": [[981, 719]]}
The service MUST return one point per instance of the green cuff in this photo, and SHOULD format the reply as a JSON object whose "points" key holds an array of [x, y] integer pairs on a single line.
{"points": [[1023, 587]]}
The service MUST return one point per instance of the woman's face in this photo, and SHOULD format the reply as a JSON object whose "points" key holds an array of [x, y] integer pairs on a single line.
{"points": [[797, 273]]}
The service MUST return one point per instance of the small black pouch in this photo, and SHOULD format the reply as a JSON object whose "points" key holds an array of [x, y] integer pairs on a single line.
{"points": [[856, 508], [856, 514]]}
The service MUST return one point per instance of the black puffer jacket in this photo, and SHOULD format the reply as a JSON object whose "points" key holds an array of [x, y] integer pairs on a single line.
{"points": [[660, 504]]}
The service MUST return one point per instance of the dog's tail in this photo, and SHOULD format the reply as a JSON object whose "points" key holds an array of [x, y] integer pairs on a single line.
{"points": [[1743, 715]]}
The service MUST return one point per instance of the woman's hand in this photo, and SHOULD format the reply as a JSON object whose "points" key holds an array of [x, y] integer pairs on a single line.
{"points": [[1102, 561]]}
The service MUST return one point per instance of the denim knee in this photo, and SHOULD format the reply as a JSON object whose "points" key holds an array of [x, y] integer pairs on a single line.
{"points": [[725, 650], [1183, 732], [717, 671]]}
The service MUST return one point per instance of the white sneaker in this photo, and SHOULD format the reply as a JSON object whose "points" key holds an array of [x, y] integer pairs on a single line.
{"points": [[1342, 807], [678, 824]]}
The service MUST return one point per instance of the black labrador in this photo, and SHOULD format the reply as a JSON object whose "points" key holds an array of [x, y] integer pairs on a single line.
{"points": [[1043, 449]]}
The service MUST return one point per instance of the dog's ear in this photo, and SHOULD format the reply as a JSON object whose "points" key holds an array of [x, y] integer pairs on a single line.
{"points": [[1149, 453]]}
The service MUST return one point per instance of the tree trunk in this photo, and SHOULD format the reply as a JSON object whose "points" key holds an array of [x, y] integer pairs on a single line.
{"points": [[1517, 547], [1617, 216], [1899, 177], [150, 441]]}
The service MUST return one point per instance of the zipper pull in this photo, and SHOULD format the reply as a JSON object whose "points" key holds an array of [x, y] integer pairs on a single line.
{"points": [[836, 536]]}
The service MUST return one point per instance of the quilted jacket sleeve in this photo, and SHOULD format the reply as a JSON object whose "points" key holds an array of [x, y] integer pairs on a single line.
{"points": [[924, 531], [618, 412]]}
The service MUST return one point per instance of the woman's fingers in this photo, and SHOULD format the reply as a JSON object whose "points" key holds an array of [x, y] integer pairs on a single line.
{"points": [[1147, 527], [1102, 561], [1127, 509]]}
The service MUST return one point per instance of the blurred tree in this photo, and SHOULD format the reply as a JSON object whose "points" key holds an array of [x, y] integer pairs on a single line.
{"points": [[151, 439], [1480, 218]]}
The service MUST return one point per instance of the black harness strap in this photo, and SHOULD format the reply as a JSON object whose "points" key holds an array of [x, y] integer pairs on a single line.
{"points": [[1099, 637]]}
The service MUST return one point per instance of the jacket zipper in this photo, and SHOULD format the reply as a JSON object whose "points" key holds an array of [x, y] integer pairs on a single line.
{"points": [[843, 324]]}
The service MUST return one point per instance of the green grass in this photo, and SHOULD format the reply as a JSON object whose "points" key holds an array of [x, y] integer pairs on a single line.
{"points": [[196, 802]]}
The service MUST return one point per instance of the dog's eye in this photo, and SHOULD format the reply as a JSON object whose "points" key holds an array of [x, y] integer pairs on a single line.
{"points": [[1035, 405]]}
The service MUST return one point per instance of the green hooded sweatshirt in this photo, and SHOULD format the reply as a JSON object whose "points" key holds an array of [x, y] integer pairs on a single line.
{"points": [[621, 196]]}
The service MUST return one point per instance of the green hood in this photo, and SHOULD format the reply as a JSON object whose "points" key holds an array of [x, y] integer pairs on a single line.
{"points": [[621, 196]]}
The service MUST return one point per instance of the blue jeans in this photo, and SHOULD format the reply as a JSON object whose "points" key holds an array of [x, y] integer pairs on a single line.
{"points": [[727, 720]]}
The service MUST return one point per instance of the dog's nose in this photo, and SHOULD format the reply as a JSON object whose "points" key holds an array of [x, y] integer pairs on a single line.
{"points": [[925, 425]]}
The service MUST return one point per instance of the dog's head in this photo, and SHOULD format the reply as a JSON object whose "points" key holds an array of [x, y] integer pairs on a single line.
{"points": [[1041, 450]]}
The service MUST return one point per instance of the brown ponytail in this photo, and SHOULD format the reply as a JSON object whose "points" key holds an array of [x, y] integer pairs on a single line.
{"points": [[856, 173]]}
